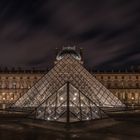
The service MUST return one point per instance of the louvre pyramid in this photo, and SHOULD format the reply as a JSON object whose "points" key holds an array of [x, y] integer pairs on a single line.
{"points": [[68, 93]]}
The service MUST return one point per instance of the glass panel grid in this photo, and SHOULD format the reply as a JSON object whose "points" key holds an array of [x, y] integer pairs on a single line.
{"points": [[50, 95]]}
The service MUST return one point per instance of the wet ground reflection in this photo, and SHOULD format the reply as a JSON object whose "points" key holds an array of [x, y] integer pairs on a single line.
{"points": [[19, 131], [11, 131]]}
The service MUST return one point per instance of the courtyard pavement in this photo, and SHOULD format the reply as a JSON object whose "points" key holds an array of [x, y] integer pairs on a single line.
{"points": [[107, 129], [120, 126]]}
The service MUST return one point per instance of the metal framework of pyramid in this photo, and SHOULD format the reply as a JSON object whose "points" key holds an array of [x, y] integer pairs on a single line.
{"points": [[68, 93]]}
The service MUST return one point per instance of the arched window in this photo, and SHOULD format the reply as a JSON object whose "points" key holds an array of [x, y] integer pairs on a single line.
{"points": [[109, 85], [137, 85]]}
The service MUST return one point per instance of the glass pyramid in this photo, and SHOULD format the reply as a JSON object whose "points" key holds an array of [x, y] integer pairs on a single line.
{"points": [[68, 104], [68, 93]]}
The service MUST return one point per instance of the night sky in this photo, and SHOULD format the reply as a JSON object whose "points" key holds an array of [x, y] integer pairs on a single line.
{"points": [[107, 30]]}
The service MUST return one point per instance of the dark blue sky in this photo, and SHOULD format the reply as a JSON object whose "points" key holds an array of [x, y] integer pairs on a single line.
{"points": [[109, 31]]}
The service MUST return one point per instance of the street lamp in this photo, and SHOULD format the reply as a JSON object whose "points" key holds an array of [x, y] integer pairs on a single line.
{"points": [[125, 100], [132, 98]]}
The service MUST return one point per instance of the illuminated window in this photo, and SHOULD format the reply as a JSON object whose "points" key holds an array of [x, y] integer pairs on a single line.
{"points": [[14, 84]]}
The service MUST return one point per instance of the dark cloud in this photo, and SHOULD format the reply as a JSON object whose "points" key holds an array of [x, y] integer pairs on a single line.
{"points": [[109, 31]]}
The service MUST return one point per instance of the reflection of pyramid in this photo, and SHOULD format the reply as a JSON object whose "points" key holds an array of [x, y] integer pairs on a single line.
{"points": [[68, 92]]}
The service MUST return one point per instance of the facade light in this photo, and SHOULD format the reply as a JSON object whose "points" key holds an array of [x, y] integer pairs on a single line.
{"points": [[48, 118], [61, 98], [74, 98]]}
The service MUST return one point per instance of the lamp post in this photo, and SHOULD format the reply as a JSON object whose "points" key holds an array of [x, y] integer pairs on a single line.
{"points": [[124, 92], [132, 99], [4, 101]]}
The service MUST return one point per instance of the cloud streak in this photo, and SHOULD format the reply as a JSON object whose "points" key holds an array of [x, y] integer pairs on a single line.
{"points": [[31, 30]]}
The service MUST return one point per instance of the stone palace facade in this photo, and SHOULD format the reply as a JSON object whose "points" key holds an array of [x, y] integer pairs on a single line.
{"points": [[14, 83]]}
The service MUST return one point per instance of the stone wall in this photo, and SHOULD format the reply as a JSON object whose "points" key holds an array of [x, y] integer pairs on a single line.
{"points": [[126, 86]]}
